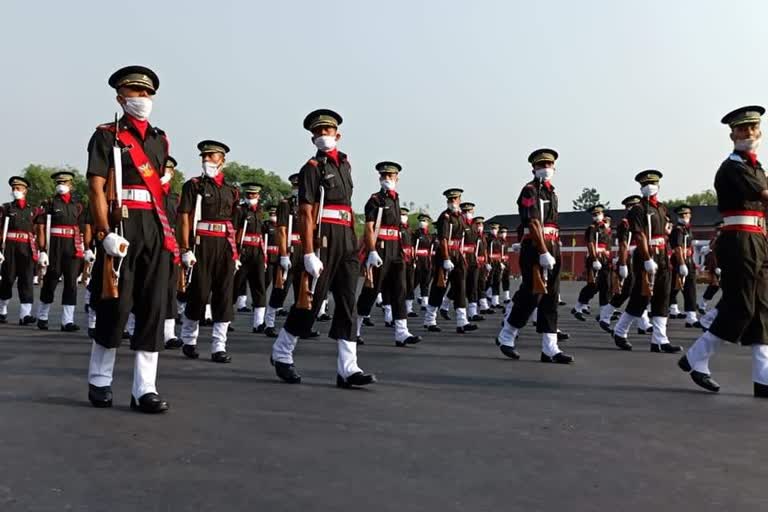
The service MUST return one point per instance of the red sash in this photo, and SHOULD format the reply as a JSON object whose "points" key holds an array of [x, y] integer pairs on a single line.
{"points": [[151, 179]]}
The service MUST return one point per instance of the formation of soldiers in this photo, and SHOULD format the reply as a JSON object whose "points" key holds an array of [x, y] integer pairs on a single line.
{"points": [[151, 259]]}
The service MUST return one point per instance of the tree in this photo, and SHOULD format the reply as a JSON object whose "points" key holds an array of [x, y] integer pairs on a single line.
{"points": [[703, 198], [177, 181], [41, 186], [273, 187], [588, 198]]}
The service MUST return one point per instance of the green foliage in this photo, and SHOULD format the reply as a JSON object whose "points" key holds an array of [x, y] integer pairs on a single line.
{"points": [[704, 198], [274, 188], [588, 198], [41, 186], [177, 181]]}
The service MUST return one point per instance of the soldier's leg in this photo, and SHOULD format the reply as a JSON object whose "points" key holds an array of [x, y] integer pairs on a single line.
{"points": [[674, 309], [495, 285], [472, 277], [257, 282], [343, 285], [221, 304], [171, 307], [636, 305], [689, 298], [458, 279], [660, 305], [526, 301], [6, 291], [70, 271], [240, 288], [198, 293], [588, 291], [277, 299], [505, 276], [546, 319], [50, 282], [436, 294], [366, 299]]}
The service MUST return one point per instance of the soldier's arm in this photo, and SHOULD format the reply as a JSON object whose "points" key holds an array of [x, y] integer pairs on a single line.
{"points": [[183, 233], [591, 248], [307, 227]]}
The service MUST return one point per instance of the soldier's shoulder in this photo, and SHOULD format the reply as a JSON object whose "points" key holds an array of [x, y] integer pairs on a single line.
{"points": [[107, 127]]}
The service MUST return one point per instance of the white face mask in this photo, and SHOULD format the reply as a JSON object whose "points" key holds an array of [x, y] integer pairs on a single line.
{"points": [[295, 192], [404, 219], [62, 189], [453, 207], [388, 184], [598, 217], [273, 218], [253, 202], [649, 190], [494, 232], [18, 194], [684, 220], [423, 224], [165, 179], [545, 174], [479, 229], [748, 145], [325, 142], [139, 107], [210, 169], [504, 235], [469, 216]]}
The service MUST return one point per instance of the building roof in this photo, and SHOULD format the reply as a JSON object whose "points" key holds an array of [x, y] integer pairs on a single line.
{"points": [[702, 216]]}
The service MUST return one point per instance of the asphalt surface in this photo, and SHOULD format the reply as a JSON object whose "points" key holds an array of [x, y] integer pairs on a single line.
{"points": [[451, 426]]}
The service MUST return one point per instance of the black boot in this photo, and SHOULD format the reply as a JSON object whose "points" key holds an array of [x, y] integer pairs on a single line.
{"points": [[356, 379], [173, 343], [695, 324], [705, 381], [368, 322], [476, 318], [42, 324], [28, 320], [666, 348], [563, 336], [606, 327], [70, 327], [270, 332], [622, 343], [244, 309], [467, 328], [3, 319], [444, 314], [412, 315], [259, 329], [325, 317], [510, 352], [761, 390], [100, 397], [151, 403], [433, 328], [360, 340], [559, 358], [221, 357], [412, 340], [190, 351], [287, 372]]}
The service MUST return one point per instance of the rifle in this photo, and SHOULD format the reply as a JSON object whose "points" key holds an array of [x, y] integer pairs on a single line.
{"points": [[195, 239], [648, 277], [540, 276], [114, 190], [415, 250], [306, 290], [368, 283], [442, 275], [5, 235], [87, 267]]}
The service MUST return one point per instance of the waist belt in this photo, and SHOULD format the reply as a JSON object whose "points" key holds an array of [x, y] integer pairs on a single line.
{"points": [[480, 260], [389, 233], [252, 240], [295, 239], [18, 236], [337, 214], [495, 257], [550, 232], [750, 221], [217, 229], [454, 244], [657, 241], [469, 249], [63, 231], [140, 195], [422, 252], [272, 249]]}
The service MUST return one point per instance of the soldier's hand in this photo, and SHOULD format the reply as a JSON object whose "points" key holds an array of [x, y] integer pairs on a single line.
{"points": [[597, 266], [115, 245], [623, 271], [547, 261], [717, 271], [42, 259], [650, 266], [374, 260], [615, 260], [313, 265], [488, 267], [502, 267], [448, 265], [683, 270], [188, 259], [285, 262], [89, 256], [238, 264]]}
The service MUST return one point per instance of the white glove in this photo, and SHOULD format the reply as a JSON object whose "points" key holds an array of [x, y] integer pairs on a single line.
{"points": [[285, 262], [503, 266], [650, 266], [623, 271], [238, 264], [448, 265], [615, 260], [115, 245], [89, 256], [717, 271], [596, 266], [188, 259], [2, 258], [683, 270], [42, 259], [547, 261], [312, 264], [374, 260], [488, 267]]}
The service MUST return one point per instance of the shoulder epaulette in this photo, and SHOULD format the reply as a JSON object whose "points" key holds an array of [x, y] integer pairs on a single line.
{"points": [[110, 127], [313, 162]]}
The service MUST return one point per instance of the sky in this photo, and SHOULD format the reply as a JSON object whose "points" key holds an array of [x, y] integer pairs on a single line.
{"points": [[457, 92]]}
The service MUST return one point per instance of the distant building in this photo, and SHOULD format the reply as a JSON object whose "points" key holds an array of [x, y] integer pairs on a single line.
{"points": [[573, 225]]}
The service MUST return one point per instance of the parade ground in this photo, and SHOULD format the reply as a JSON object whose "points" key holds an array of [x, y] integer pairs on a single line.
{"points": [[452, 425]]}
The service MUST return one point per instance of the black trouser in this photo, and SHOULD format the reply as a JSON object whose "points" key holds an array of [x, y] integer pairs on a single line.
{"points": [[601, 286], [742, 313], [146, 264], [18, 266], [457, 280], [410, 284], [473, 279], [525, 300], [214, 265], [173, 285], [505, 277], [422, 275], [626, 288], [689, 289], [277, 295], [389, 279], [341, 269], [252, 274], [659, 300], [710, 291], [64, 264], [495, 278]]}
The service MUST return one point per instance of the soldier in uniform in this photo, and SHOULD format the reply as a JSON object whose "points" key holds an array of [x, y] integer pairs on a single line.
{"points": [[143, 248], [409, 258], [384, 255], [62, 253], [598, 240], [289, 253], [250, 238], [469, 249], [506, 257], [212, 256], [329, 255], [18, 253], [742, 253], [539, 252], [495, 256], [171, 204], [476, 282], [710, 265], [681, 242], [647, 223], [273, 254], [422, 246]]}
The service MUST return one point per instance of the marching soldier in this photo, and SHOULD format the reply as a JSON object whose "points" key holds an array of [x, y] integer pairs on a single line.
{"points": [[450, 265], [476, 282], [495, 256], [135, 243], [18, 253], [409, 258], [171, 204], [289, 254], [250, 237], [742, 252], [211, 256], [681, 242], [326, 227], [469, 251], [710, 264], [273, 253], [648, 225], [422, 246], [598, 240], [59, 218], [385, 262], [506, 257], [539, 263]]}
